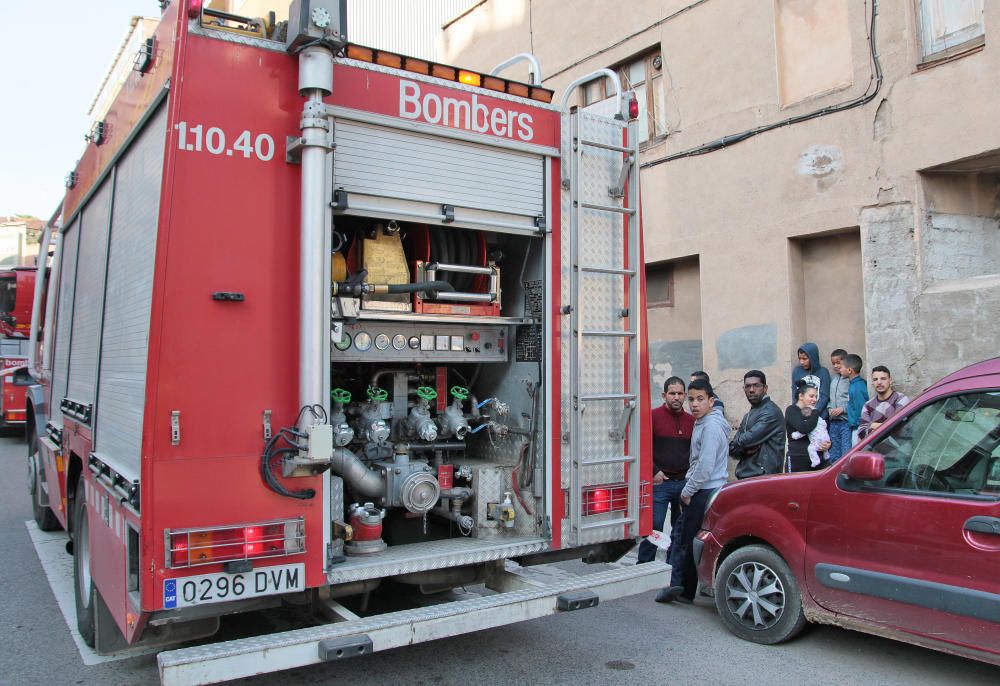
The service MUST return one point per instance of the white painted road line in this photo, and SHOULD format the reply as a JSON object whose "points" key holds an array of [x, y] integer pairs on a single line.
{"points": [[58, 567]]}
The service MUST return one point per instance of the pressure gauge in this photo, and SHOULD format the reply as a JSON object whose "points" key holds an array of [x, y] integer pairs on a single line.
{"points": [[344, 343], [382, 341], [363, 341], [321, 17], [399, 341], [414, 343]]}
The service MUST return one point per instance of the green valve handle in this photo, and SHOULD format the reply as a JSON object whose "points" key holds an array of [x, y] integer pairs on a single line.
{"points": [[340, 395], [426, 393], [459, 393], [377, 394]]}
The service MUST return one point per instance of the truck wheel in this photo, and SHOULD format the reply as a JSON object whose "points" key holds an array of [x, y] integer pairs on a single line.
{"points": [[44, 517], [758, 597], [83, 583]]}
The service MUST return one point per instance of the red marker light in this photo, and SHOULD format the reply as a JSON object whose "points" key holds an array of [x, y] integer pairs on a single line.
{"points": [[194, 9], [633, 107]]}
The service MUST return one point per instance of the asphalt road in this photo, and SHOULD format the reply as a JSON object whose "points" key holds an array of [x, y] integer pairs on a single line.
{"points": [[631, 641]]}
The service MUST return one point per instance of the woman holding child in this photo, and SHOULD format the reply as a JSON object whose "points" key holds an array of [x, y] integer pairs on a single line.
{"points": [[808, 439]]}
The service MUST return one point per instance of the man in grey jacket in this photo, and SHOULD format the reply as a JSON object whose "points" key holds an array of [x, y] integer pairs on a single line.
{"points": [[759, 443], [707, 473]]}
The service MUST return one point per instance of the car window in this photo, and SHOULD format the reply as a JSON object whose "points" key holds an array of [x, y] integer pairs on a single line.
{"points": [[949, 446], [21, 377]]}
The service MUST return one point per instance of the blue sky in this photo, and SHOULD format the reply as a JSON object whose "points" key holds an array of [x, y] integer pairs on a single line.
{"points": [[53, 57]]}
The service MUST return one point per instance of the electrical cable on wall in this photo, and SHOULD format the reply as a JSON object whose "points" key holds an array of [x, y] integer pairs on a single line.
{"points": [[734, 138]]}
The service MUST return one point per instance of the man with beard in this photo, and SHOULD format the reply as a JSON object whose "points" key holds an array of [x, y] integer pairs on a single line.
{"points": [[759, 443], [886, 403], [672, 428]]}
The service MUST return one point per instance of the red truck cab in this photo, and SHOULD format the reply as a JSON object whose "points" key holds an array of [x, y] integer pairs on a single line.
{"points": [[17, 291], [901, 538]]}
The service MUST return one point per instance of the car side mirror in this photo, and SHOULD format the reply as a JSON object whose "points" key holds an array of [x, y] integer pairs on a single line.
{"points": [[865, 466]]}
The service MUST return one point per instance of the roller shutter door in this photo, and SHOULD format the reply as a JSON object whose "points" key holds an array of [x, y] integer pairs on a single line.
{"points": [[89, 298], [125, 340], [383, 161], [64, 317]]}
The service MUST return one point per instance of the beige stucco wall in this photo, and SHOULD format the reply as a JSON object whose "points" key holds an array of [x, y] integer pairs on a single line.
{"points": [[747, 211], [675, 331]]}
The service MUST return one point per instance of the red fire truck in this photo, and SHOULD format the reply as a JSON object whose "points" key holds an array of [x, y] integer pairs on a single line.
{"points": [[322, 316], [17, 291]]}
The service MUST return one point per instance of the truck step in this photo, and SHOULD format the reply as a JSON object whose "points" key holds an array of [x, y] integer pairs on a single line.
{"points": [[209, 664]]}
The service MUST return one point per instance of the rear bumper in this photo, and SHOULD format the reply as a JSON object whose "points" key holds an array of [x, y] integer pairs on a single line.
{"points": [[706, 550], [526, 600]]}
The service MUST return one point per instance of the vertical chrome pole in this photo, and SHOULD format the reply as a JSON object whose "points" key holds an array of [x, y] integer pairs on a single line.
{"points": [[315, 82]]}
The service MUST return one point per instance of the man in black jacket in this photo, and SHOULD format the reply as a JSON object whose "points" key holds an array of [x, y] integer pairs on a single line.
{"points": [[759, 444]]}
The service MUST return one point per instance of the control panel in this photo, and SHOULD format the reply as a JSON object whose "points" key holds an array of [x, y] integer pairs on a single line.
{"points": [[390, 341]]}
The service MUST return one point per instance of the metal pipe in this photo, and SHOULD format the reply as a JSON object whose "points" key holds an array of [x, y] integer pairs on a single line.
{"points": [[535, 71], [467, 297], [458, 493], [36, 302], [463, 520], [352, 588], [459, 268], [382, 372], [592, 76], [359, 477], [315, 81], [438, 445]]}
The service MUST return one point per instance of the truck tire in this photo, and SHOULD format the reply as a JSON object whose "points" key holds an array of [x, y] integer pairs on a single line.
{"points": [[758, 597], [43, 515], [83, 582]]}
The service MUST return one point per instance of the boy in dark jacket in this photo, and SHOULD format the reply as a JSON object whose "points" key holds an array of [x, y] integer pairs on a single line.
{"points": [[814, 373]]}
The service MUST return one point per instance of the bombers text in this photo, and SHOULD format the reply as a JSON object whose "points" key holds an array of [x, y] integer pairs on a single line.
{"points": [[458, 112]]}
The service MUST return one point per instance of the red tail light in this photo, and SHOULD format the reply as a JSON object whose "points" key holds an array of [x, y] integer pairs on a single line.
{"points": [[192, 547], [194, 9], [633, 106], [179, 554], [603, 499]]}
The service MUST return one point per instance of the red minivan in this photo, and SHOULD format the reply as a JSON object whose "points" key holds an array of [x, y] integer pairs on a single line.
{"points": [[900, 538]]}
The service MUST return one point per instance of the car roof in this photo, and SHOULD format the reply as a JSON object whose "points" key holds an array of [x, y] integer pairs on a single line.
{"points": [[984, 368]]}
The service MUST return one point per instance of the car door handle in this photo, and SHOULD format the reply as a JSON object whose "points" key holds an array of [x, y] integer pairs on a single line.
{"points": [[983, 525]]}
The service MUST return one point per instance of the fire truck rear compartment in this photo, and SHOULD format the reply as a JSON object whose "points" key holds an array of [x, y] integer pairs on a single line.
{"points": [[436, 403]]}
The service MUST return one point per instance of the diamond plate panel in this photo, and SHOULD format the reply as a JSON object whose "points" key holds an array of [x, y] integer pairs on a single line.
{"points": [[337, 512], [602, 297], [506, 450], [420, 557], [489, 484], [600, 242]]}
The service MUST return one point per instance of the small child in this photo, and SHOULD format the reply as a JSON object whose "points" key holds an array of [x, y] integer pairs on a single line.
{"points": [[817, 437], [840, 432]]}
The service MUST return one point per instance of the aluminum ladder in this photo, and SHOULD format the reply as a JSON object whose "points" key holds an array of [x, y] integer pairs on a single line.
{"points": [[604, 305]]}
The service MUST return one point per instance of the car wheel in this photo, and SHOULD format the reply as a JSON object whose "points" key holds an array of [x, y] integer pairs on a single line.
{"points": [[44, 517], [83, 582], [758, 597]]}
